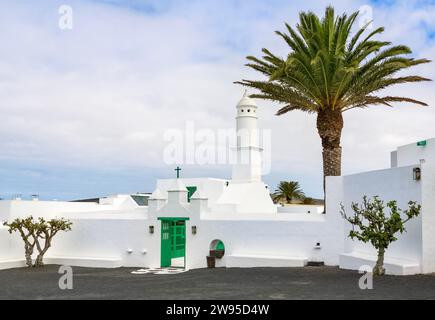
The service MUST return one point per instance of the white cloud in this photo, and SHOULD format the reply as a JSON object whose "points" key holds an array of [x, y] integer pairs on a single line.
{"points": [[102, 94]]}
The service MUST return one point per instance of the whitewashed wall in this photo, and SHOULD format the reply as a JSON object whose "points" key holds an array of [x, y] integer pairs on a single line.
{"points": [[262, 238], [428, 217], [301, 208], [121, 242], [104, 237], [101, 236], [257, 236], [411, 154], [390, 184]]}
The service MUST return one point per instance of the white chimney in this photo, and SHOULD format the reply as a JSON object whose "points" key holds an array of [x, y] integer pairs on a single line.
{"points": [[249, 154], [156, 201], [177, 193]]}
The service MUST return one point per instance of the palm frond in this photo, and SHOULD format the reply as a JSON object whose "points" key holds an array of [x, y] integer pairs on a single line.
{"points": [[328, 68]]}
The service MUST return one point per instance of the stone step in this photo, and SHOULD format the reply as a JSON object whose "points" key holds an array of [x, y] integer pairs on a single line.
{"points": [[393, 266], [254, 260]]}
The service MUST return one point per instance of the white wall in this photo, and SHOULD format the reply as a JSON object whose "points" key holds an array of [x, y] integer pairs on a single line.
{"points": [[264, 237], [110, 233], [11, 247], [390, 184], [105, 239], [411, 154], [210, 188], [300, 208], [428, 217], [107, 235]]}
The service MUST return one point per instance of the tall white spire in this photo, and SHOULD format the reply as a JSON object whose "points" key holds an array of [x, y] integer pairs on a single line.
{"points": [[248, 166]]}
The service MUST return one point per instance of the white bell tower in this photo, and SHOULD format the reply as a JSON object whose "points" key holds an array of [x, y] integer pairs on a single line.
{"points": [[248, 152]]}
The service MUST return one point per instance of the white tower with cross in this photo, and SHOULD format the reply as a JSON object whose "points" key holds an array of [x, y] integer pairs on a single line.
{"points": [[248, 152]]}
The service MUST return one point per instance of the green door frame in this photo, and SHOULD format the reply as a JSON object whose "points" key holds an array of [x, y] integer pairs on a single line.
{"points": [[169, 239]]}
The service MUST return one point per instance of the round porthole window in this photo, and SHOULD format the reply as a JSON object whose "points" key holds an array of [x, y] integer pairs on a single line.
{"points": [[217, 249]]}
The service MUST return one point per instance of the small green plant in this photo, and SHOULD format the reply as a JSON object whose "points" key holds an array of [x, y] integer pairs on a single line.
{"points": [[371, 224], [37, 233]]}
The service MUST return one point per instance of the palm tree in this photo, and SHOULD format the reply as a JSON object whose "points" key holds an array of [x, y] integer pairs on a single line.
{"points": [[328, 72], [288, 191]]}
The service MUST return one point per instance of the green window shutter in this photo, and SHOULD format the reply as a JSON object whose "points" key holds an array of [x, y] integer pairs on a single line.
{"points": [[220, 246], [190, 191]]}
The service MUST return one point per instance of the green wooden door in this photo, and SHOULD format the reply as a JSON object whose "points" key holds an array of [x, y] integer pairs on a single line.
{"points": [[178, 239], [173, 240], [165, 255]]}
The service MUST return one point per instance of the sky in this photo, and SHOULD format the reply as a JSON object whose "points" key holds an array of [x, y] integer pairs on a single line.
{"points": [[84, 111]]}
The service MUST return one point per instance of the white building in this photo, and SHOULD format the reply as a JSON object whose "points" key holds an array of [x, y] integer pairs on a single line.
{"points": [[184, 219], [410, 154]]}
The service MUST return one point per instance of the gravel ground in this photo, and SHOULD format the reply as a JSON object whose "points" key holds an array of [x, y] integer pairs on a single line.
{"points": [[220, 283]]}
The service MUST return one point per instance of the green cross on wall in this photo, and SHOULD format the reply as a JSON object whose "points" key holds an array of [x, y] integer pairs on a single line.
{"points": [[178, 169]]}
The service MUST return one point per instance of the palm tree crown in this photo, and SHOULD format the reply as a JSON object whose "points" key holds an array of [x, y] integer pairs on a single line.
{"points": [[288, 191], [328, 72]]}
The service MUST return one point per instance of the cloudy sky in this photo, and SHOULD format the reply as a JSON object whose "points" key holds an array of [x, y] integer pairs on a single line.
{"points": [[83, 111]]}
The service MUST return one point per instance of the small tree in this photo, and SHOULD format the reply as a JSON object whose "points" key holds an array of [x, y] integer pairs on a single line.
{"points": [[374, 226], [26, 228], [46, 231], [33, 232]]}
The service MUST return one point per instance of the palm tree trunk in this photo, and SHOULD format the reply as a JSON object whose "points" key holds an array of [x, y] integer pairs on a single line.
{"points": [[329, 126]]}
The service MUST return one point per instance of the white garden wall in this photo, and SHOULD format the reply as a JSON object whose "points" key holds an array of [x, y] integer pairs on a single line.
{"points": [[412, 154], [119, 235], [428, 217], [301, 208], [391, 184]]}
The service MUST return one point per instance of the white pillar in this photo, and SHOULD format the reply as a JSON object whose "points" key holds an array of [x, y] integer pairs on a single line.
{"points": [[177, 193], [248, 153], [156, 201], [198, 203]]}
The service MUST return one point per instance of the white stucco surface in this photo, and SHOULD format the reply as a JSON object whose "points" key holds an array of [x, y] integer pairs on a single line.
{"points": [[412, 154], [117, 231], [412, 252]]}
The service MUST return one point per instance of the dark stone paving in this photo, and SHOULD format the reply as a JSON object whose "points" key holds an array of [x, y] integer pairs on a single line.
{"points": [[220, 283]]}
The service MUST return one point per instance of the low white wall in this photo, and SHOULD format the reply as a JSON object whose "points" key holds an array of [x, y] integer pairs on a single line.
{"points": [[11, 247], [265, 236], [390, 184], [103, 239], [300, 208], [105, 235], [108, 240]]}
